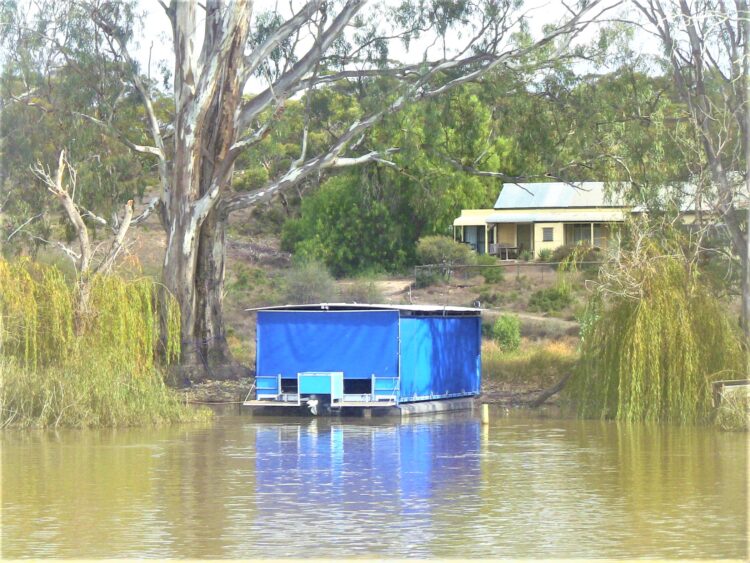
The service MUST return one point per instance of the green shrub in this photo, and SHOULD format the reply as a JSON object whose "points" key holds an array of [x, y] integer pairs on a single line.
{"points": [[348, 230], [438, 249], [526, 256], [507, 332], [551, 299], [246, 278], [544, 255], [250, 179], [308, 281], [489, 297], [493, 271], [573, 254], [425, 277]]}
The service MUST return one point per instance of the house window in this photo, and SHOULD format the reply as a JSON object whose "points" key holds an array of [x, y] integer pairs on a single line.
{"points": [[547, 234], [581, 232]]}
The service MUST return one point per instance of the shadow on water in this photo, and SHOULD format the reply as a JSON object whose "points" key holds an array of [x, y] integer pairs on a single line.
{"points": [[445, 486]]}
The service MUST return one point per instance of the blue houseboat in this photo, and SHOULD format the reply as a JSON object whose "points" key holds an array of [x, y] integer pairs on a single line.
{"points": [[333, 356]]}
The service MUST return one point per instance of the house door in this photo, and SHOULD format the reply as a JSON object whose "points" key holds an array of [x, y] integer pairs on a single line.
{"points": [[523, 238], [480, 240]]}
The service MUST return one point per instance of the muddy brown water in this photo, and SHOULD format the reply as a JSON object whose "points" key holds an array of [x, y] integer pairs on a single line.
{"points": [[244, 487]]}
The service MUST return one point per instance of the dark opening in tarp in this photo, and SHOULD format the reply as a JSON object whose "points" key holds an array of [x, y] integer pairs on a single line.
{"points": [[359, 343]]}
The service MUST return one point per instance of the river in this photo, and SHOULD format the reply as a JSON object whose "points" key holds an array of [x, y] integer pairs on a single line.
{"points": [[526, 486]]}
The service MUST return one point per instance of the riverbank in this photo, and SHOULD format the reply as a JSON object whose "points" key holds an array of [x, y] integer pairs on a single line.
{"points": [[233, 392]]}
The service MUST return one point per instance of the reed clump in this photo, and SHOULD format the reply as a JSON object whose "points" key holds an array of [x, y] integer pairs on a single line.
{"points": [[653, 339], [61, 365], [733, 413]]}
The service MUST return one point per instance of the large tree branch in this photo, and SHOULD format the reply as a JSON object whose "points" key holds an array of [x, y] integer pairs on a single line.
{"points": [[229, 30], [296, 174], [417, 90], [289, 81], [117, 134], [55, 186], [277, 37]]}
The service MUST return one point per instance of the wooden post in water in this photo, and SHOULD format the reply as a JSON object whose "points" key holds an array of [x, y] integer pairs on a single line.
{"points": [[485, 414]]}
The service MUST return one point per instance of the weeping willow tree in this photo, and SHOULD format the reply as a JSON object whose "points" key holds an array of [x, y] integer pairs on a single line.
{"points": [[654, 336], [103, 372]]}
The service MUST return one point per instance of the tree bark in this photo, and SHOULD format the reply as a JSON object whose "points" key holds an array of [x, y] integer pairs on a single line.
{"points": [[205, 132]]}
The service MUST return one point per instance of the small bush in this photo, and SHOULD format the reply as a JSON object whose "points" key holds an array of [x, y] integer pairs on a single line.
{"points": [[574, 254], [544, 255], [440, 249], [308, 282], [507, 332], [426, 277], [526, 256], [362, 291], [246, 278], [488, 297], [551, 299], [493, 272]]}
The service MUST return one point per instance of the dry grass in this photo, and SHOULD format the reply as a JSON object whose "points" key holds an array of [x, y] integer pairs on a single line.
{"points": [[734, 412], [537, 365]]}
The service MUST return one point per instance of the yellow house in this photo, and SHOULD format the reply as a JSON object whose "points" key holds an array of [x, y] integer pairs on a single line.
{"points": [[536, 216]]}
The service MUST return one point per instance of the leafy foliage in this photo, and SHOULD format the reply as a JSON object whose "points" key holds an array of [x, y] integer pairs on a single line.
{"points": [[438, 249], [345, 231], [544, 255], [493, 272], [507, 332], [56, 370], [656, 339], [551, 299], [42, 114]]}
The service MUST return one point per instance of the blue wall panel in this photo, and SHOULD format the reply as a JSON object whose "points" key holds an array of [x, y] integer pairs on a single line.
{"points": [[439, 356], [359, 343]]}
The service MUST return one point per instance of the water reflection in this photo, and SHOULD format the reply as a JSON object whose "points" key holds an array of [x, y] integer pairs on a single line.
{"points": [[441, 487], [365, 488]]}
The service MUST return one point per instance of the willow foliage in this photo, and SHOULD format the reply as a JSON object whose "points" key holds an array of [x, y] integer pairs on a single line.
{"points": [[63, 366], [654, 339]]}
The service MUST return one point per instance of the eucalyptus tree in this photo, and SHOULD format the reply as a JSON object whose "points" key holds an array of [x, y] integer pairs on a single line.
{"points": [[235, 70], [706, 44], [51, 72]]}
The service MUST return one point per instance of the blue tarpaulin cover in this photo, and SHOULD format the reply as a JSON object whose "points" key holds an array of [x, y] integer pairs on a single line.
{"points": [[439, 356], [359, 343]]}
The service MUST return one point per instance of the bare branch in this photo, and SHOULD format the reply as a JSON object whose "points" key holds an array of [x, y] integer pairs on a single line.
{"points": [[143, 149], [106, 264], [328, 161], [23, 225], [55, 186], [262, 51]]}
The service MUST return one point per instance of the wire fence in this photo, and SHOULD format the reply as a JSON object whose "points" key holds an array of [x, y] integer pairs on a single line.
{"points": [[425, 273]]}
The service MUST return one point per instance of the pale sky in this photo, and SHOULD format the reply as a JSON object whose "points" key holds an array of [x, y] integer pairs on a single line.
{"points": [[157, 39]]}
